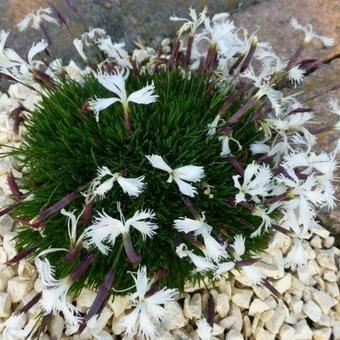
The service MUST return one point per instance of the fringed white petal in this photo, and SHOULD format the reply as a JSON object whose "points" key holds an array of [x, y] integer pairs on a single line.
{"points": [[158, 163], [132, 186]]}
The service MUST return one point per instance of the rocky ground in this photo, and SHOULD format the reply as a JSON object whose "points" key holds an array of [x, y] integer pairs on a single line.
{"points": [[309, 307]]}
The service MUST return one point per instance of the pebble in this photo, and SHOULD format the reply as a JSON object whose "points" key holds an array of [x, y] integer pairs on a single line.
{"points": [[120, 304], [56, 326], [312, 310], [174, 317], [323, 300], [5, 305], [316, 242], [329, 276], [242, 297], [222, 305], [86, 298], [286, 332], [193, 306], [262, 334], [326, 259], [302, 330], [282, 285], [329, 241], [322, 334], [336, 330], [18, 287], [275, 322], [234, 334], [257, 306]]}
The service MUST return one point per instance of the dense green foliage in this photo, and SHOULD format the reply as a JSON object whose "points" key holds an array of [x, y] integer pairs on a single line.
{"points": [[63, 147]]}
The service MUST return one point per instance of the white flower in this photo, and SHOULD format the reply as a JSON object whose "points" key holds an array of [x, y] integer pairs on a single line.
{"points": [[214, 250], [131, 186], [182, 175], [225, 145], [105, 229], [296, 75], [201, 263], [204, 330], [14, 327], [295, 257], [116, 84], [35, 19], [251, 273], [256, 182], [213, 125], [310, 34], [26, 66], [54, 293], [148, 310], [266, 219], [190, 24], [78, 44]]}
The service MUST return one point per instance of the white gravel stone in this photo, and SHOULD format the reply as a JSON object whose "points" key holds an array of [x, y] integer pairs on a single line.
{"points": [[332, 289], [275, 322], [322, 334], [286, 332], [18, 287], [222, 305], [316, 242], [3, 255], [326, 259], [9, 244], [257, 306], [261, 292], [116, 326], [321, 231], [283, 284], [302, 331], [5, 305], [296, 287], [174, 317], [120, 304], [262, 334], [326, 321], [296, 306], [336, 330], [56, 326], [312, 310], [324, 300], [242, 297], [6, 225], [234, 334], [246, 327], [86, 298], [193, 306], [329, 242], [329, 276]]}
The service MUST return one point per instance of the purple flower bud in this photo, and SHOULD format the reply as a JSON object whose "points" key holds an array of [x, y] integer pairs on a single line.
{"points": [[47, 212], [174, 54], [249, 55], [58, 14], [237, 166], [241, 111], [210, 310], [29, 304], [133, 257], [73, 253], [71, 4], [87, 214], [102, 295], [248, 262], [82, 266], [270, 287], [21, 255], [294, 58], [13, 186]]}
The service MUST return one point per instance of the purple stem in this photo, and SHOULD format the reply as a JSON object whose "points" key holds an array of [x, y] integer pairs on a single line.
{"points": [[13, 186], [210, 310], [73, 253], [293, 59]]}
